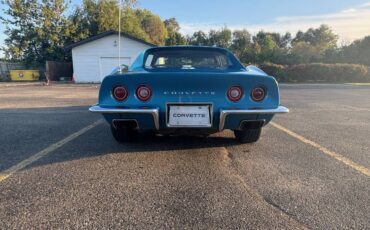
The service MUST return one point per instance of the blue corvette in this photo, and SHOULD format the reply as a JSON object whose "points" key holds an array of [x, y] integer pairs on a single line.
{"points": [[188, 90]]}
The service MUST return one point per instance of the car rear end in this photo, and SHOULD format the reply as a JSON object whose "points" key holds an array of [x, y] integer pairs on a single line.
{"points": [[230, 98], [189, 100]]}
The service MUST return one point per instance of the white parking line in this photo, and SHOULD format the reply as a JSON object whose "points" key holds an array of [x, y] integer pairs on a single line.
{"points": [[336, 156], [21, 165]]}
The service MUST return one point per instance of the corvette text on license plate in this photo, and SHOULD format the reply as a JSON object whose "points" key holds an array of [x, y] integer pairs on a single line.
{"points": [[189, 116]]}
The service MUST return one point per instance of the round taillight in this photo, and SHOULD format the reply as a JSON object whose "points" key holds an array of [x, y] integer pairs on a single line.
{"points": [[144, 93], [234, 93], [120, 93], [258, 94]]}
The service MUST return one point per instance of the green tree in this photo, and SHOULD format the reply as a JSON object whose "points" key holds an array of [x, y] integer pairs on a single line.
{"points": [[86, 17], [154, 27], [312, 45], [285, 41], [242, 44], [36, 30], [174, 36], [53, 30], [108, 11], [266, 47], [282, 41], [304, 52], [171, 25], [20, 18], [80, 27], [198, 38], [358, 52], [323, 37], [220, 38], [97, 16], [131, 24]]}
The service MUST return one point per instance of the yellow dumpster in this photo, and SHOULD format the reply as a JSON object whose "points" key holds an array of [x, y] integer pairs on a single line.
{"points": [[24, 75]]}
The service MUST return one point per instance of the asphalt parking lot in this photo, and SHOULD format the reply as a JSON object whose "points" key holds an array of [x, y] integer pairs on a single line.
{"points": [[60, 167]]}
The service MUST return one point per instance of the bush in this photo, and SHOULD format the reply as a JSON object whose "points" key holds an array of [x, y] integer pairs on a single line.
{"points": [[275, 70], [318, 72]]}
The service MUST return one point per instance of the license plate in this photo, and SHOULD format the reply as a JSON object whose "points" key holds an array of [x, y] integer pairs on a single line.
{"points": [[189, 116]]}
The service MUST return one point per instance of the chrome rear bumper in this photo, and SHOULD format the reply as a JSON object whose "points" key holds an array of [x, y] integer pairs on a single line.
{"points": [[153, 112], [225, 113]]}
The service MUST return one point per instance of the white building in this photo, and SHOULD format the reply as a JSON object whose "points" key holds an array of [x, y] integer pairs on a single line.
{"points": [[96, 57]]}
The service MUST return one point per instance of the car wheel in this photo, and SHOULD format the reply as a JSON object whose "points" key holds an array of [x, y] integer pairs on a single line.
{"points": [[124, 134], [248, 135]]}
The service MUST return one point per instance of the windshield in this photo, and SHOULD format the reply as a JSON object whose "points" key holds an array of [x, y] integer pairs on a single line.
{"points": [[187, 59]]}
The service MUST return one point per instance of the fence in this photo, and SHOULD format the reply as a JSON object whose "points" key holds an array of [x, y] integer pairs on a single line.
{"points": [[54, 70], [5, 67], [57, 70]]}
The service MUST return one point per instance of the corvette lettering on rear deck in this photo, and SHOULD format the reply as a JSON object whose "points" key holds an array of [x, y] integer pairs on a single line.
{"points": [[191, 115], [189, 93]]}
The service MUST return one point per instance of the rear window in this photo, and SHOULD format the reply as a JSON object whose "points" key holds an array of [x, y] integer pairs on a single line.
{"points": [[187, 59]]}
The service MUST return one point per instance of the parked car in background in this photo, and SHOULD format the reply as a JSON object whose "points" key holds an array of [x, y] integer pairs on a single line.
{"points": [[188, 90]]}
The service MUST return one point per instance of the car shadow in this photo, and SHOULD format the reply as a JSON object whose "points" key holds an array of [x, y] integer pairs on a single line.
{"points": [[153, 143], [46, 126], [99, 142]]}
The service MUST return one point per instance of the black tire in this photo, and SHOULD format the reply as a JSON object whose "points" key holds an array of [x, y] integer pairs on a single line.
{"points": [[248, 135], [123, 135]]}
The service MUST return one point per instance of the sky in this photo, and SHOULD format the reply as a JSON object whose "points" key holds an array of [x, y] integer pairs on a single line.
{"points": [[350, 19]]}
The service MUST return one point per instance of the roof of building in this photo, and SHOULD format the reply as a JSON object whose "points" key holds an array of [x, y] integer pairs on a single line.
{"points": [[105, 34]]}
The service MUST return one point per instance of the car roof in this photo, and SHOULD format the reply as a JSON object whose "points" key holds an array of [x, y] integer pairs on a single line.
{"points": [[236, 63], [185, 47]]}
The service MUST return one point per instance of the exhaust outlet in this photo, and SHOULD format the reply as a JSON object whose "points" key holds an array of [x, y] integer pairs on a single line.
{"points": [[125, 123], [251, 124]]}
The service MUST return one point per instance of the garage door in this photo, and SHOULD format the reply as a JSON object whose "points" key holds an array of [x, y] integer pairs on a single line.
{"points": [[107, 64]]}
